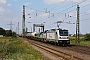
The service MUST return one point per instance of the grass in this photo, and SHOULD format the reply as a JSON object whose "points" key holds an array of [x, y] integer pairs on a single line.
{"points": [[18, 49], [83, 42]]}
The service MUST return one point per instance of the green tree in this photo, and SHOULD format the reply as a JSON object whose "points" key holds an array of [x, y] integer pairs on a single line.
{"points": [[87, 36], [14, 34], [8, 33], [2, 31]]}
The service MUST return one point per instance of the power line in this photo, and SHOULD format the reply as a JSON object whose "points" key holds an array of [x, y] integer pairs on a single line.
{"points": [[84, 14], [11, 25], [69, 7], [86, 4], [63, 7], [62, 10], [55, 4], [72, 6], [35, 9], [85, 19], [62, 19], [58, 5]]}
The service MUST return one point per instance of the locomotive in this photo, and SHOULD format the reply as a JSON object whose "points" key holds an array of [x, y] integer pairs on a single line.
{"points": [[55, 36]]}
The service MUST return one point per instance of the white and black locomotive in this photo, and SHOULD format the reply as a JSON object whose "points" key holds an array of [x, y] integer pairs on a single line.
{"points": [[55, 36]]}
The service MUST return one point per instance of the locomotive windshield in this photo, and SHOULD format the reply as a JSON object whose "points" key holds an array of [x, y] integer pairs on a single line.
{"points": [[63, 32]]}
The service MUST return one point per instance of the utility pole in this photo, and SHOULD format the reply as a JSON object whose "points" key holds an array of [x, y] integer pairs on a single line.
{"points": [[26, 29], [23, 22], [77, 26], [11, 25], [18, 28]]}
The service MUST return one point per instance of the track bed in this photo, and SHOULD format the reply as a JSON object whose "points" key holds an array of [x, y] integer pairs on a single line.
{"points": [[75, 52]]}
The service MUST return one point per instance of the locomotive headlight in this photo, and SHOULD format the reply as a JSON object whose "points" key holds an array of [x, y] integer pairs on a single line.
{"points": [[60, 37], [67, 37]]}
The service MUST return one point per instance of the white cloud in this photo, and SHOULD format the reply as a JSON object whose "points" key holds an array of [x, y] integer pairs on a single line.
{"points": [[77, 0], [53, 1], [28, 3], [71, 14], [9, 4], [58, 1], [88, 11], [30, 11], [5, 11], [44, 15], [3, 1], [2, 10], [13, 19], [85, 3], [8, 11]]}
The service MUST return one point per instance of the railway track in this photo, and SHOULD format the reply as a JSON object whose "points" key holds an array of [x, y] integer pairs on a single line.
{"points": [[55, 52], [80, 49]]}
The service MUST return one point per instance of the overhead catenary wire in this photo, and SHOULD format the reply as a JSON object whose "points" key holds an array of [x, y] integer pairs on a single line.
{"points": [[72, 6], [58, 5], [85, 19], [48, 18], [51, 9], [50, 6], [84, 14], [69, 8], [62, 13]]}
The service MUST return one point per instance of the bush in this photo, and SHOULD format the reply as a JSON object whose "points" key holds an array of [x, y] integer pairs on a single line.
{"points": [[14, 34], [8, 33], [2, 31], [19, 50], [87, 36]]}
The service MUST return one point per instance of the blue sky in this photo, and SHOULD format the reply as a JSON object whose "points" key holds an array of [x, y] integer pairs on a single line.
{"points": [[48, 11]]}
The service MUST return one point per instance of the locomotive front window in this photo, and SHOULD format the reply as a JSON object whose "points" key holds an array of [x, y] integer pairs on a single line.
{"points": [[63, 33]]}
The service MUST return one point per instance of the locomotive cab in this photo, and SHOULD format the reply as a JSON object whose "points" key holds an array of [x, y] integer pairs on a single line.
{"points": [[63, 37]]}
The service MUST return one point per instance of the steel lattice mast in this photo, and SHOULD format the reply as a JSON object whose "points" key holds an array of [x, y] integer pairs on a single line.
{"points": [[23, 22], [77, 25]]}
